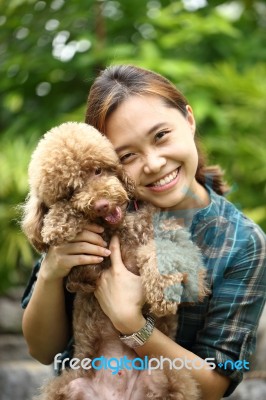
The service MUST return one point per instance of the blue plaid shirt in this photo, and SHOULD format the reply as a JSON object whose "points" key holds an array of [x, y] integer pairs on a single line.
{"points": [[223, 327]]}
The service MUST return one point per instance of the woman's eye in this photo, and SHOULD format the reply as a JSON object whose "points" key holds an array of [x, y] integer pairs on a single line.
{"points": [[126, 157], [161, 134]]}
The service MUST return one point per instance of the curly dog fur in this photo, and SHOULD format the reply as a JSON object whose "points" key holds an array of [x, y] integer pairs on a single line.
{"points": [[75, 178]]}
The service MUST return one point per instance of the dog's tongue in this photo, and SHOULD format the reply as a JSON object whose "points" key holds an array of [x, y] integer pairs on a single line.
{"points": [[115, 216]]}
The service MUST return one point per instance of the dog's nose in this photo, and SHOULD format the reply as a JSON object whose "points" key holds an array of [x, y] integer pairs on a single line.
{"points": [[101, 207]]}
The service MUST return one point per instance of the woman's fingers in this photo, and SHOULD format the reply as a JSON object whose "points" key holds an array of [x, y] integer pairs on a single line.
{"points": [[80, 259], [94, 228], [87, 243], [90, 237], [116, 258], [88, 247], [84, 248]]}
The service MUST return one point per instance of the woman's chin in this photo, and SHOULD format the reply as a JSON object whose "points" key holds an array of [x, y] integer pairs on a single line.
{"points": [[163, 200]]}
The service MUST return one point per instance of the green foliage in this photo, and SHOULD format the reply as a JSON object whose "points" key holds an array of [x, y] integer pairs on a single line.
{"points": [[15, 251], [52, 50]]}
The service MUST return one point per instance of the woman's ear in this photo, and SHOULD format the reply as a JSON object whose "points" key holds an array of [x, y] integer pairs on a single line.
{"points": [[191, 119], [32, 221]]}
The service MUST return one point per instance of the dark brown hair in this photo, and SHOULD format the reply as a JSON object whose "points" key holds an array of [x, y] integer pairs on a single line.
{"points": [[116, 83]]}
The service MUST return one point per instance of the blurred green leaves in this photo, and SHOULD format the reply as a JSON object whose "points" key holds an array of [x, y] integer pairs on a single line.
{"points": [[51, 51], [16, 252]]}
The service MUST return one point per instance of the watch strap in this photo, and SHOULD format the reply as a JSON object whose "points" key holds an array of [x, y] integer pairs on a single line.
{"points": [[137, 339]]}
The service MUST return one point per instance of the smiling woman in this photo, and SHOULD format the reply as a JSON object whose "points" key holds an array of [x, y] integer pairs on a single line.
{"points": [[153, 130]]}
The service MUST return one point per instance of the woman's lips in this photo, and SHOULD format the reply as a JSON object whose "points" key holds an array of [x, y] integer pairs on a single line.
{"points": [[165, 186]]}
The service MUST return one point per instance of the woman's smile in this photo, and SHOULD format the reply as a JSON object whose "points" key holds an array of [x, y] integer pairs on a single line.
{"points": [[165, 183]]}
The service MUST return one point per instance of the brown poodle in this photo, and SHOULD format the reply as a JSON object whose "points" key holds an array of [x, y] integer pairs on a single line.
{"points": [[76, 178]]}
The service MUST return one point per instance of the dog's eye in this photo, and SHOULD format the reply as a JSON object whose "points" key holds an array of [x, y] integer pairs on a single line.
{"points": [[98, 171], [70, 193]]}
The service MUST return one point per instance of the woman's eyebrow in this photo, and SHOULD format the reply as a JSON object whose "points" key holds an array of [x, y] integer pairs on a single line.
{"points": [[157, 126], [150, 131]]}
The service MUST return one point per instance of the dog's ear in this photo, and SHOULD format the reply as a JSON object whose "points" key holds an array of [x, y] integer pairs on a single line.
{"points": [[128, 183], [32, 221]]}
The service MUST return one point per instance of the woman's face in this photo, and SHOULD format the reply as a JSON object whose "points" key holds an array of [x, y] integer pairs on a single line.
{"points": [[155, 143]]}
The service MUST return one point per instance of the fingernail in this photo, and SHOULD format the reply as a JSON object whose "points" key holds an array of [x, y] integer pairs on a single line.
{"points": [[104, 244], [107, 252]]}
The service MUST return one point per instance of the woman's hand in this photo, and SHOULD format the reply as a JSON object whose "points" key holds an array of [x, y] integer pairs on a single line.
{"points": [[48, 332], [120, 293], [88, 247]]}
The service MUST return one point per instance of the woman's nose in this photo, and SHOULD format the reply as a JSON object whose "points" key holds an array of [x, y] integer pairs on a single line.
{"points": [[153, 163]]}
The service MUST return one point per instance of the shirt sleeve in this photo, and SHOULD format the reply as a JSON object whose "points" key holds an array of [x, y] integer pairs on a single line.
{"points": [[235, 307], [30, 285]]}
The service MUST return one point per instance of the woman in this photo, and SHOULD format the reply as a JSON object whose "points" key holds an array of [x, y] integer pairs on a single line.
{"points": [[152, 128]]}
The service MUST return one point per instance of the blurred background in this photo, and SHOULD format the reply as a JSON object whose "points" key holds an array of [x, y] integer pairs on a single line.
{"points": [[51, 51]]}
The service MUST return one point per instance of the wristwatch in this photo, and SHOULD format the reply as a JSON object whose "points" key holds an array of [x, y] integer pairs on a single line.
{"points": [[137, 339]]}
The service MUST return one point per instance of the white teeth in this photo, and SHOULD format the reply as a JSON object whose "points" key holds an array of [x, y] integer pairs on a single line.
{"points": [[167, 179]]}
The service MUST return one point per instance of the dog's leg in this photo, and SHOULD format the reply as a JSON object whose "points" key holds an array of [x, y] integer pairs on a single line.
{"points": [[161, 282], [187, 259]]}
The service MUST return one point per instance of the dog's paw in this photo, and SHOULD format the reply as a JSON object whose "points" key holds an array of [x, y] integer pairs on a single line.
{"points": [[163, 308], [168, 290]]}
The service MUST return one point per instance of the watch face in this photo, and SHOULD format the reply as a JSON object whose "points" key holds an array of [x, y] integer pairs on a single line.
{"points": [[139, 338]]}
